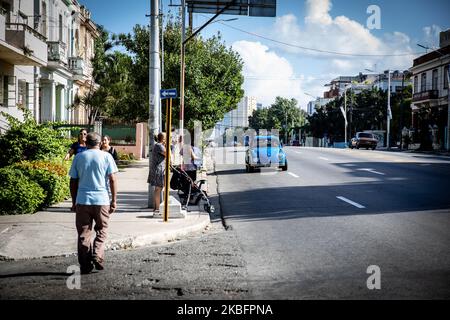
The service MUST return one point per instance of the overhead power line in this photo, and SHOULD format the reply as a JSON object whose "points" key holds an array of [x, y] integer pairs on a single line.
{"points": [[319, 50]]}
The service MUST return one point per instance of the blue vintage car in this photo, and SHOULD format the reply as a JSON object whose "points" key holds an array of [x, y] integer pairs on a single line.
{"points": [[265, 151]]}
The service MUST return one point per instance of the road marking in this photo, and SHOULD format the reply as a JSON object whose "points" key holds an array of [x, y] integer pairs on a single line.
{"points": [[351, 202], [372, 171], [322, 158], [4, 230], [293, 174], [298, 152]]}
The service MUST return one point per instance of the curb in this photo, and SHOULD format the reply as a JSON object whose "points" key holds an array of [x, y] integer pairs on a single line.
{"points": [[155, 238]]}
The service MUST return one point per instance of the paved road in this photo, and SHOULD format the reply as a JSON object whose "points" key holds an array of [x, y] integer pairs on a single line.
{"points": [[313, 231], [291, 237]]}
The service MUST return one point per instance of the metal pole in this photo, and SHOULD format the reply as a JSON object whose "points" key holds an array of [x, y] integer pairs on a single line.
{"points": [[448, 108], [168, 158], [389, 110], [154, 85], [285, 130], [183, 62], [345, 118]]}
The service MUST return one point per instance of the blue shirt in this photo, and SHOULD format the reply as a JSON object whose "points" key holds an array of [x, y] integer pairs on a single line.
{"points": [[77, 148], [92, 169]]}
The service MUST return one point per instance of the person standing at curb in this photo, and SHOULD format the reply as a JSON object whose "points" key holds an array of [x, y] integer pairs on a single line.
{"points": [[91, 202], [157, 171]]}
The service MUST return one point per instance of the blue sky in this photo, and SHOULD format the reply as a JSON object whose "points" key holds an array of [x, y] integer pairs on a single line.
{"points": [[273, 69]]}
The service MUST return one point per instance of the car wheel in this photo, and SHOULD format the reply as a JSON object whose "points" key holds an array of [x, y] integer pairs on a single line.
{"points": [[373, 148]]}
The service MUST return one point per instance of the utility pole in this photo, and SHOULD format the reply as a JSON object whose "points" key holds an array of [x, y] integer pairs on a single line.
{"points": [[285, 129], [154, 85], [345, 116], [389, 112], [448, 108], [183, 67]]}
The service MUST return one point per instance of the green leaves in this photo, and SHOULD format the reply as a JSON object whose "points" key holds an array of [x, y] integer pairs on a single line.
{"points": [[18, 194], [283, 115], [29, 141], [213, 84]]}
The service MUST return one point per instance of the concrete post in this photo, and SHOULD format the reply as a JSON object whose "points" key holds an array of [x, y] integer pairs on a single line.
{"points": [[154, 84]]}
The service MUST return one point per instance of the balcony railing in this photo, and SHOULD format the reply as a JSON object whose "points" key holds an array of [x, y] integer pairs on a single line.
{"points": [[56, 51], [76, 65], [24, 27], [426, 95], [25, 38]]}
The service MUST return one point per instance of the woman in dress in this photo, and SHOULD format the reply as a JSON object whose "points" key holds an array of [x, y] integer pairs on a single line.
{"points": [[157, 170]]}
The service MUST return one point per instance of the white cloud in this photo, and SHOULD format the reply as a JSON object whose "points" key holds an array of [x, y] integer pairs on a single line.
{"points": [[431, 35], [267, 74], [341, 34]]}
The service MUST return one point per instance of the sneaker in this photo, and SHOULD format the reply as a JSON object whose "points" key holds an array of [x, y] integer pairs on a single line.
{"points": [[98, 263]]}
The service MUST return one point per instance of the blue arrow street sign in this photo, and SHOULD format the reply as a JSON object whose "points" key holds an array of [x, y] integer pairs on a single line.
{"points": [[169, 93]]}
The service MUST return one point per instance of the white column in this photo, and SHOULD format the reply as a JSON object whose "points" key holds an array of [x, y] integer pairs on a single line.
{"points": [[70, 102], [48, 101], [62, 103]]}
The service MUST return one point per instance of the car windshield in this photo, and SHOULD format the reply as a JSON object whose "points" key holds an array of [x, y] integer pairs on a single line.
{"points": [[365, 135], [265, 141]]}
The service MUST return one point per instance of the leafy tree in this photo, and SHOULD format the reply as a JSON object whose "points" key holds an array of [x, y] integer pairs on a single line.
{"points": [[367, 110], [109, 87], [213, 75], [283, 115]]}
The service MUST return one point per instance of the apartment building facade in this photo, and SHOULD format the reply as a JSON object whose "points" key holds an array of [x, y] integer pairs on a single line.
{"points": [[430, 103], [46, 48], [23, 50], [238, 118]]}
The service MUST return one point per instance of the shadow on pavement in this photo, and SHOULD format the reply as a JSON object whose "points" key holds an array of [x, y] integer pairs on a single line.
{"points": [[401, 187], [35, 274]]}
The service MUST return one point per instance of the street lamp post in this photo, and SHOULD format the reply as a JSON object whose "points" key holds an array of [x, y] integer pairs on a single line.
{"points": [[389, 112], [346, 112]]}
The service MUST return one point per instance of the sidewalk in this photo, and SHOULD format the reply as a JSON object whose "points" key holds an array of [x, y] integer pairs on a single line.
{"points": [[52, 232], [443, 153]]}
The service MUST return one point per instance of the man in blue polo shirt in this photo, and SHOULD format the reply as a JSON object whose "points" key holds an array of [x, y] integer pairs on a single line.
{"points": [[90, 199]]}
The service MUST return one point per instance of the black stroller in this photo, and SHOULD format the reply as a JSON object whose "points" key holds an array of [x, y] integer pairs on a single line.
{"points": [[190, 192]]}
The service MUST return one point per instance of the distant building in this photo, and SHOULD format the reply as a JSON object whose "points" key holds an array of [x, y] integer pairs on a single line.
{"points": [[238, 118], [311, 108], [259, 106], [316, 104], [431, 91], [398, 81]]}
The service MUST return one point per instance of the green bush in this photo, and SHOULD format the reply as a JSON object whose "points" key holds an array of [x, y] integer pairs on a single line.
{"points": [[51, 177], [126, 157], [18, 195], [30, 141]]}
